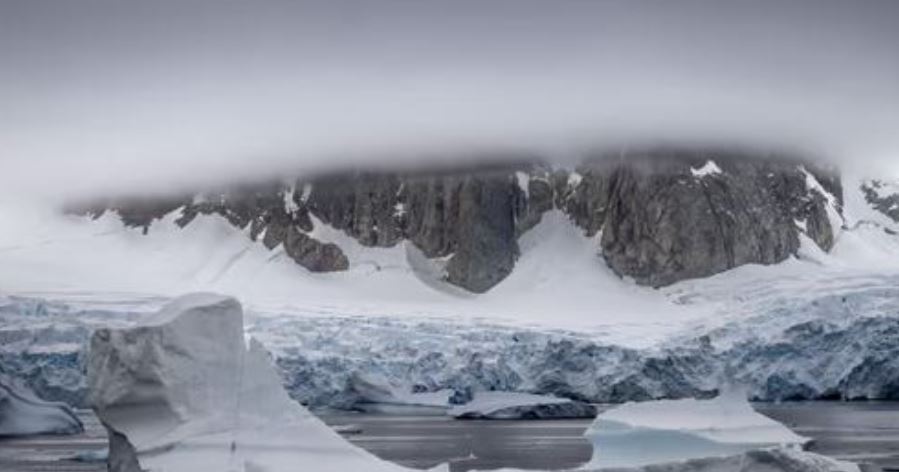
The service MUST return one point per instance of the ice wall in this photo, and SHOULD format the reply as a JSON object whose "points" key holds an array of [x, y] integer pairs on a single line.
{"points": [[182, 392]]}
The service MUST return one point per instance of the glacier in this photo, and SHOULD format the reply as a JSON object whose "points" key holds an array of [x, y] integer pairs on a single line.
{"points": [[22, 413], [784, 348]]}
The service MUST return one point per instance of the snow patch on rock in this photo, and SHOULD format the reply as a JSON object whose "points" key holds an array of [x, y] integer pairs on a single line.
{"points": [[524, 181], [832, 205], [709, 168]]}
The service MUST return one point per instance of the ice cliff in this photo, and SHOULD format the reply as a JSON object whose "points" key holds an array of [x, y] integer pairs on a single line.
{"points": [[182, 392], [22, 413]]}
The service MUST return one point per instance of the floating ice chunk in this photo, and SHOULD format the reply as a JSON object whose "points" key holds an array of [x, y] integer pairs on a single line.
{"points": [[761, 460], [638, 434], [183, 393], [512, 405], [22, 413], [709, 168], [375, 393]]}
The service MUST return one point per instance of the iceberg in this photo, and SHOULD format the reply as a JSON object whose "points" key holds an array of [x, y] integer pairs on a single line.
{"points": [[375, 393], [761, 460], [663, 431], [22, 413], [513, 405], [182, 392]]}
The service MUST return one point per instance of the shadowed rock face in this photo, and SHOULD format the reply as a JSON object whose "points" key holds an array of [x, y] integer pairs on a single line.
{"points": [[664, 216], [663, 220]]}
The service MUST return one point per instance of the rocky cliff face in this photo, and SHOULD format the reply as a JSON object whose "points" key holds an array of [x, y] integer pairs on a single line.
{"points": [[664, 215]]}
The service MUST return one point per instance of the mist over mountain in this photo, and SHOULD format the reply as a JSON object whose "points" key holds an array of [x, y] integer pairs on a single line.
{"points": [[101, 98]]}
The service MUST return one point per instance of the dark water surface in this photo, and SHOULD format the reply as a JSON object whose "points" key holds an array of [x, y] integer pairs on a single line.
{"points": [[859, 432]]}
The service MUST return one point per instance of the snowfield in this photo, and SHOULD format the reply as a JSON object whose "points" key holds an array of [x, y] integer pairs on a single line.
{"points": [[561, 324]]}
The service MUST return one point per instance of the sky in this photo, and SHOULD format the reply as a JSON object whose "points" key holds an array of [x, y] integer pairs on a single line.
{"points": [[110, 96]]}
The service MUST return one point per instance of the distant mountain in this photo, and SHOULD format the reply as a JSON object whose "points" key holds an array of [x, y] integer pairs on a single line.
{"points": [[659, 215]]}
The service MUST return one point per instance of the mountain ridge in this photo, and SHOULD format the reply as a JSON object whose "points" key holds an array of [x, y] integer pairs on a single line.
{"points": [[662, 215]]}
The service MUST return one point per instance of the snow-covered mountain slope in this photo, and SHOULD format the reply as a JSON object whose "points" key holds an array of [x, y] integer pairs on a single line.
{"points": [[562, 323], [560, 281]]}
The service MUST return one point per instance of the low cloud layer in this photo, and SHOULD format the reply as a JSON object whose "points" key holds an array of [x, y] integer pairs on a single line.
{"points": [[111, 96]]}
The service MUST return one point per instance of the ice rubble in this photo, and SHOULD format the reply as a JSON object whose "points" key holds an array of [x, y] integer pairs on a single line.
{"points": [[639, 434], [22, 413], [182, 392], [512, 405]]}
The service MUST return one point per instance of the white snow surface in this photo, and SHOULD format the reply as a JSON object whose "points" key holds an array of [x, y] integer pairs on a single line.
{"points": [[560, 281], [189, 395], [638, 434]]}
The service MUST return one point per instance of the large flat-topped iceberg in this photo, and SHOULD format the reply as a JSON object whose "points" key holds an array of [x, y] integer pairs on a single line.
{"points": [[513, 405], [22, 413], [638, 434], [182, 392]]}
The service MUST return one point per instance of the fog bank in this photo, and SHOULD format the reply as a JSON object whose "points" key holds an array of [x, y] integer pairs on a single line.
{"points": [[104, 96]]}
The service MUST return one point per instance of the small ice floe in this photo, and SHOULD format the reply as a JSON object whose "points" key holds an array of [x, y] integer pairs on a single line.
{"points": [[513, 405], [347, 429], [96, 455]]}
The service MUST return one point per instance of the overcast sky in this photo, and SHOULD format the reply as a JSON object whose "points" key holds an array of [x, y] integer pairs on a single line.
{"points": [[98, 96]]}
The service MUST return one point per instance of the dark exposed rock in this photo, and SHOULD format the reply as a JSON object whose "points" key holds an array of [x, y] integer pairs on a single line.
{"points": [[660, 223], [312, 254], [887, 204], [486, 245], [122, 456]]}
